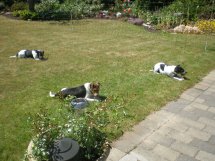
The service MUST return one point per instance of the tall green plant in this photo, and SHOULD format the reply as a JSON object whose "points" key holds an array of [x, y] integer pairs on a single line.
{"points": [[149, 5], [192, 9]]}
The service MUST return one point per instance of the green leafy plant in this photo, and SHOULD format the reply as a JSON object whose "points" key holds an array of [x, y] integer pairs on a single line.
{"points": [[81, 9], [178, 12], [70, 9], [47, 130], [51, 10], [87, 127], [26, 14], [16, 14], [19, 6]]}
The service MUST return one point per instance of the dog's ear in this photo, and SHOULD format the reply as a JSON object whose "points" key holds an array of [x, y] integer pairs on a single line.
{"points": [[177, 68], [95, 83], [91, 85]]}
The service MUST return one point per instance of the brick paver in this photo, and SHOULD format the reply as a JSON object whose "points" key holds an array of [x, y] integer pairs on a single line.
{"points": [[183, 130], [204, 156]]}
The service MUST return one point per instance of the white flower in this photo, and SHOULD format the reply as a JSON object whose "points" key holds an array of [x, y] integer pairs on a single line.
{"points": [[69, 130]]}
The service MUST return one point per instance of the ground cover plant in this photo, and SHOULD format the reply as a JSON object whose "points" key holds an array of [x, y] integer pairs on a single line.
{"points": [[117, 54]]}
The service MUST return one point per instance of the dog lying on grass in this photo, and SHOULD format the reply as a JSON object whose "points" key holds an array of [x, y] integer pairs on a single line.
{"points": [[176, 72], [35, 54], [89, 91]]}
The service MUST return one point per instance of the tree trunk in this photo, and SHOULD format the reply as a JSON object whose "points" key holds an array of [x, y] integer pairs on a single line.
{"points": [[31, 4]]}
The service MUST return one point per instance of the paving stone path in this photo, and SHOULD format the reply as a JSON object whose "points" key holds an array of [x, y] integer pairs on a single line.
{"points": [[183, 130]]}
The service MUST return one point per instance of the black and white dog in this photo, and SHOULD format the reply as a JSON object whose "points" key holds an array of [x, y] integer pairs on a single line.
{"points": [[176, 72], [89, 91], [35, 54]]}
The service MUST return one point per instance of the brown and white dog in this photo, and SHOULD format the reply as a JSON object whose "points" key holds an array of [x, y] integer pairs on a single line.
{"points": [[89, 91]]}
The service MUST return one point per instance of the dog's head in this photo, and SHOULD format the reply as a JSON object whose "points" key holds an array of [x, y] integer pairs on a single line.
{"points": [[40, 54], [180, 70], [94, 88]]}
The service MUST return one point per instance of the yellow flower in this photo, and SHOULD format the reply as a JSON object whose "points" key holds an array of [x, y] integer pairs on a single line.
{"points": [[206, 25]]}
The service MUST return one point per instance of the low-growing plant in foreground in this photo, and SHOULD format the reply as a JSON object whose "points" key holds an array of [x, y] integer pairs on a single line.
{"points": [[46, 130], [86, 126]]}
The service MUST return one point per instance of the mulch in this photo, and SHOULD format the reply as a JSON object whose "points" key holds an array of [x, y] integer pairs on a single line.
{"points": [[10, 15]]}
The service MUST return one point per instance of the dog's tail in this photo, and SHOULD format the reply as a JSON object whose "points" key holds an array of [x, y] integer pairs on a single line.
{"points": [[14, 56], [152, 70], [51, 94]]}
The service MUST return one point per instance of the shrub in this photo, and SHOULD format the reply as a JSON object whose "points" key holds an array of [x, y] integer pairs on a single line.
{"points": [[192, 9], [88, 127], [54, 10], [83, 127], [167, 19], [149, 5], [47, 131], [47, 5], [80, 9], [16, 14], [54, 15], [206, 25], [19, 6], [26, 14], [126, 7], [51, 10], [207, 11], [179, 12], [108, 3]]}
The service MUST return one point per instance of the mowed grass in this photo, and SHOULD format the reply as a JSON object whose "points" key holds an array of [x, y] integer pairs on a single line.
{"points": [[117, 54]]}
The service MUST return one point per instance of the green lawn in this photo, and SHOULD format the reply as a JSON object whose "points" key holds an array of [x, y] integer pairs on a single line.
{"points": [[117, 54]]}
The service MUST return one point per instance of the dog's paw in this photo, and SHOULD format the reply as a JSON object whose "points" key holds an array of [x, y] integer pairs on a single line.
{"points": [[185, 78], [179, 78]]}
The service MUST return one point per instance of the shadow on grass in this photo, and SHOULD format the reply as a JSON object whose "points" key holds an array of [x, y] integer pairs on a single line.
{"points": [[102, 98], [44, 59]]}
